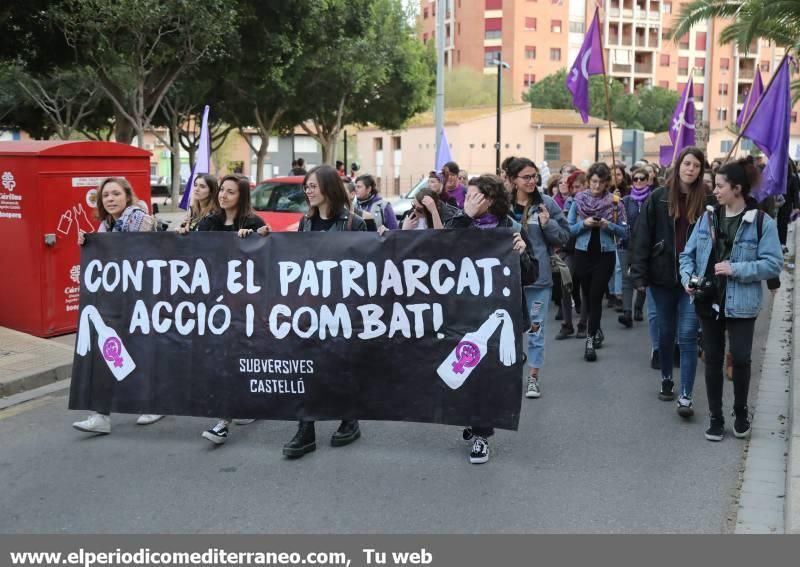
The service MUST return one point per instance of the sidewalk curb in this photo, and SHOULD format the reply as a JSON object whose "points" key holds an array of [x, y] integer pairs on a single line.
{"points": [[792, 510], [35, 379]]}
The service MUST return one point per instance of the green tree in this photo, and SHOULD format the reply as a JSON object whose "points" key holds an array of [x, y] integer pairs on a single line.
{"points": [[138, 48], [367, 67], [656, 106], [465, 86]]}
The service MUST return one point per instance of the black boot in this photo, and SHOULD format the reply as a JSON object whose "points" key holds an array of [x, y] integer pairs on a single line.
{"points": [[626, 319], [567, 330], [304, 441], [741, 425], [347, 433], [589, 352]]}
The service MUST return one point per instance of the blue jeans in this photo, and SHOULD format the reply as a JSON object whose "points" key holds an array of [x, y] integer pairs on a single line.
{"points": [[652, 319], [538, 301], [676, 314], [615, 282]]}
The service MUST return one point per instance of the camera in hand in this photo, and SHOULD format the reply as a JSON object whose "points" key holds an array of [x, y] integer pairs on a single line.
{"points": [[704, 288]]}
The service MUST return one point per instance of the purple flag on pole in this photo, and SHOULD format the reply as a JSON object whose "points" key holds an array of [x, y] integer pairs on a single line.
{"points": [[769, 130], [665, 155], [202, 163], [750, 102], [443, 155], [682, 132], [588, 62]]}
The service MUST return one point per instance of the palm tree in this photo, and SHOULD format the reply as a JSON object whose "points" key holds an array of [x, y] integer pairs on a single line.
{"points": [[773, 20]]}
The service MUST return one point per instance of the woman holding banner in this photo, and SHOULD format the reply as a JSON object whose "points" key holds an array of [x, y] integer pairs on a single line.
{"points": [[486, 207], [119, 210], [205, 193], [329, 210], [547, 230], [235, 215]]}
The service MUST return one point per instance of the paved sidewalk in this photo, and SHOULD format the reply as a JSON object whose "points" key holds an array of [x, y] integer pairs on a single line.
{"points": [[28, 362], [793, 460]]}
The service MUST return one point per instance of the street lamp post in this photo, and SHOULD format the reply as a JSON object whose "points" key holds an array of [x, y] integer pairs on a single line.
{"points": [[500, 64]]}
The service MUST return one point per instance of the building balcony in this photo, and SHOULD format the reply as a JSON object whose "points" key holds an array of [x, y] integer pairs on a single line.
{"points": [[643, 68], [621, 68], [746, 74]]}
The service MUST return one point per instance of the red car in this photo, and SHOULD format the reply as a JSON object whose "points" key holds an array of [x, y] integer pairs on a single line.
{"points": [[280, 202]]}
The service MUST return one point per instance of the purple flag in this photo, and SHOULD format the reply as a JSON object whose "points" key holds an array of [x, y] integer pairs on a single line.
{"points": [[443, 155], [665, 155], [769, 130], [588, 62], [750, 102], [682, 130], [202, 163]]}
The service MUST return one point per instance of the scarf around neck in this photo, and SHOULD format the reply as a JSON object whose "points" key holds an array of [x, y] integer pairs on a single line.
{"points": [[640, 195], [589, 206], [485, 221], [561, 200]]}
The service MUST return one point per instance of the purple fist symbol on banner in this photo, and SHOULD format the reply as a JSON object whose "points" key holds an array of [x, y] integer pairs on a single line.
{"points": [[111, 351], [468, 355]]}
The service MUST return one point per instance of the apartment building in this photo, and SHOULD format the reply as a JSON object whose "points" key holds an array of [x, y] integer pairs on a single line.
{"points": [[539, 37]]}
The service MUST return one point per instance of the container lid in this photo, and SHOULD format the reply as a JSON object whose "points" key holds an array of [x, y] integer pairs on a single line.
{"points": [[70, 148]]}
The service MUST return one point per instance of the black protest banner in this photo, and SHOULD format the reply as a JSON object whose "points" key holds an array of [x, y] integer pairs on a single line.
{"points": [[413, 326]]}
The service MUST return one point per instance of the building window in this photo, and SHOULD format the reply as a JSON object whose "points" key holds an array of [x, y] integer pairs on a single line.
{"points": [[666, 7], [530, 52], [700, 63], [555, 26], [665, 33], [530, 24], [683, 42], [724, 64], [490, 56], [425, 13], [794, 118], [722, 114], [723, 89], [493, 34], [764, 66], [494, 4], [555, 54], [576, 27], [663, 84], [494, 28], [529, 79], [725, 146], [552, 151], [425, 38], [665, 60], [699, 92], [683, 65], [700, 41]]}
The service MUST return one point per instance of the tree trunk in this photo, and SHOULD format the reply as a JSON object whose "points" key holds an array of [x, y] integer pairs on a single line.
{"points": [[328, 145], [260, 156], [123, 129], [175, 161]]}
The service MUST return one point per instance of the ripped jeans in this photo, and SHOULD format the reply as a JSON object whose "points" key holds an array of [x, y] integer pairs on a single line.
{"points": [[538, 302]]}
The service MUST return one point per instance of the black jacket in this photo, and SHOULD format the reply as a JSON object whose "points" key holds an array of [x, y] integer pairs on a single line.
{"points": [[342, 222], [653, 257], [217, 222], [529, 266]]}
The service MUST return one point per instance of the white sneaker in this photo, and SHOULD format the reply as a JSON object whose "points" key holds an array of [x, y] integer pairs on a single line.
{"points": [[533, 390], [243, 421], [148, 418], [96, 423]]}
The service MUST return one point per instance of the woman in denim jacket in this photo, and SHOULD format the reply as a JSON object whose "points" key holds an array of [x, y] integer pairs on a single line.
{"points": [[597, 220], [735, 247]]}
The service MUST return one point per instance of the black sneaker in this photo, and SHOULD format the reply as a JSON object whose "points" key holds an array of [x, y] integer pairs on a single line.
{"points": [[741, 425], [625, 319], [348, 432], [599, 337], [666, 394], [589, 352], [716, 430], [581, 334], [480, 451], [217, 434], [655, 362], [567, 330]]}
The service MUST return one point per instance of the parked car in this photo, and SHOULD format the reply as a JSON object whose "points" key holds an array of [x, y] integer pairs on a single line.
{"points": [[280, 202], [402, 205]]}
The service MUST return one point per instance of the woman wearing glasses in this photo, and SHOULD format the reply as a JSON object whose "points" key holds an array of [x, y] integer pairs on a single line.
{"points": [[328, 212], [633, 204], [735, 247], [548, 230]]}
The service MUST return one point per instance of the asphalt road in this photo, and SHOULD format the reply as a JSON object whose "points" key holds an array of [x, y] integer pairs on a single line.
{"points": [[597, 453]]}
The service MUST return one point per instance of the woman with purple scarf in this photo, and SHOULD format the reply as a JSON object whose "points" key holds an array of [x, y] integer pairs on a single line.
{"points": [[597, 222], [633, 203]]}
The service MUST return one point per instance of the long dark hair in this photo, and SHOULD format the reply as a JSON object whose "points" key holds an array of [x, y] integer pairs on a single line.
{"points": [[243, 208], [421, 194], [198, 212], [696, 199], [332, 188]]}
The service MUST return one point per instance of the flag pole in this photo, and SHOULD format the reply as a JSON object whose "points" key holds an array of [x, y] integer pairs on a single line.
{"points": [[608, 114], [680, 128], [755, 108]]}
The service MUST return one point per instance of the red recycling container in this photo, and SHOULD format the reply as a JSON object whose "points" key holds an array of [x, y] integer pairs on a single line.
{"points": [[48, 191]]}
